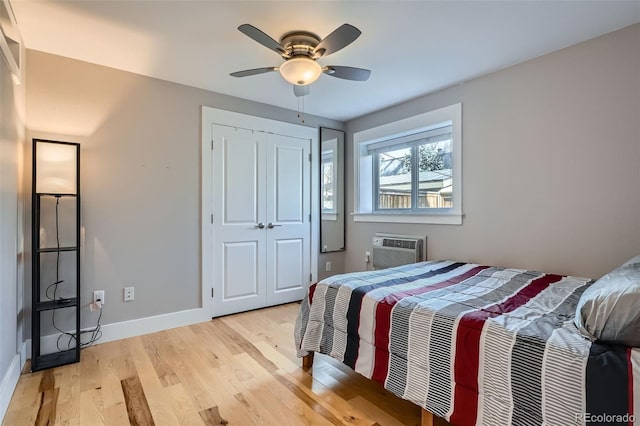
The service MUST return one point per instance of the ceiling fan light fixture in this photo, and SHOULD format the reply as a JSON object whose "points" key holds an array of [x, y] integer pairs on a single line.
{"points": [[300, 70]]}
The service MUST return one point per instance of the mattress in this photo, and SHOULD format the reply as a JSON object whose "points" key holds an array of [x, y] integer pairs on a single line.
{"points": [[473, 344]]}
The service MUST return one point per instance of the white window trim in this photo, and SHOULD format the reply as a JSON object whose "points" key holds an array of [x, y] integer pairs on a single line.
{"points": [[363, 174]]}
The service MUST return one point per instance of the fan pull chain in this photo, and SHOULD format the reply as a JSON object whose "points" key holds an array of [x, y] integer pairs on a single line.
{"points": [[301, 115]]}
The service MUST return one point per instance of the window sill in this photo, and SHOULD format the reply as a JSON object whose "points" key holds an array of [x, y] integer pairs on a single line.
{"points": [[436, 219]]}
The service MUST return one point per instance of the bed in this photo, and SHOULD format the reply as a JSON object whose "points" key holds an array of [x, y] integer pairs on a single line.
{"points": [[473, 344]]}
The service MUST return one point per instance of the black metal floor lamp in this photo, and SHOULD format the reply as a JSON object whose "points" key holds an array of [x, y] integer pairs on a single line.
{"points": [[55, 186]]}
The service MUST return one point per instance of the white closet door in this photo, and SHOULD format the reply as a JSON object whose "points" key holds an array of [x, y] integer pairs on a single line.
{"points": [[261, 226], [239, 199], [288, 205]]}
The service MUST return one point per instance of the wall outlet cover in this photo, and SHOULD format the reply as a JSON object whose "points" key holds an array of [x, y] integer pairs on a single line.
{"points": [[129, 294], [98, 296]]}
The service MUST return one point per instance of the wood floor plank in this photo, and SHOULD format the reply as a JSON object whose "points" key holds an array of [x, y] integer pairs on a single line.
{"points": [[244, 345], [380, 416], [342, 381], [283, 362], [124, 363], [211, 416], [343, 409], [48, 404], [273, 328], [116, 415], [292, 372], [208, 387], [159, 354], [48, 381], [137, 406], [115, 408], [273, 400], [199, 334], [156, 399], [184, 410], [38, 403], [199, 380], [234, 377], [90, 370], [68, 380], [25, 403], [91, 407], [252, 396]]}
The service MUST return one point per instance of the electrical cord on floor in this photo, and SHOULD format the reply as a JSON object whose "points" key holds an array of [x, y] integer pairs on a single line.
{"points": [[96, 334]]}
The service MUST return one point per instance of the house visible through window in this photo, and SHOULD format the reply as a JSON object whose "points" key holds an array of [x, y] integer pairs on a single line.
{"points": [[414, 172], [409, 170]]}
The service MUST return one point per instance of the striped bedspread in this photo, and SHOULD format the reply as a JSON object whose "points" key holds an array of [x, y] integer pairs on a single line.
{"points": [[473, 344]]}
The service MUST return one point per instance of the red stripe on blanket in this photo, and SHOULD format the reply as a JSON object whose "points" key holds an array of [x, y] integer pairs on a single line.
{"points": [[467, 355], [312, 290], [630, 384], [383, 320]]}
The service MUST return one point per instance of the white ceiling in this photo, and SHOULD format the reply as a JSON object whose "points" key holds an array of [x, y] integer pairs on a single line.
{"points": [[412, 48]]}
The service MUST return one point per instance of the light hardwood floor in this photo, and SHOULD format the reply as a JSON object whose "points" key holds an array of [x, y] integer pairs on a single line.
{"points": [[236, 370]]}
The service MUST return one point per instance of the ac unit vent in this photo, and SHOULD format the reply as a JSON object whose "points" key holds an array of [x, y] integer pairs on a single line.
{"points": [[405, 244], [395, 250]]}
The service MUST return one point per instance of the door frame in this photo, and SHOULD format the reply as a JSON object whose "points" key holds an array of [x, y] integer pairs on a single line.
{"points": [[212, 116]]}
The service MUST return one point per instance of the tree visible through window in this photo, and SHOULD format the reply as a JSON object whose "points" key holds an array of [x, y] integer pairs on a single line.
{"points": [[431, 158], [415, 174]]}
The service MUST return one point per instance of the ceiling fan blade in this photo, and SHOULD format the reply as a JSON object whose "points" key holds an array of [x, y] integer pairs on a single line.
{"points": [[348, 73], [301, 90], [262, 38], [341, 37], [247, 73]]}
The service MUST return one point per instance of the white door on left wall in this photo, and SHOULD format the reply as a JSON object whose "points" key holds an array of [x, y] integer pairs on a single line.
{"points": [[261, 227]]}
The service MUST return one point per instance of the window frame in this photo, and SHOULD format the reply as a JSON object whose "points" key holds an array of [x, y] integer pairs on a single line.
{"points": [[365, 195]]}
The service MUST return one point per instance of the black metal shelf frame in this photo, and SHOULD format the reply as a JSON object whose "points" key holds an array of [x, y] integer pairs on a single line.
{"points": [[55, 249], [43, 361], [57, 304]]}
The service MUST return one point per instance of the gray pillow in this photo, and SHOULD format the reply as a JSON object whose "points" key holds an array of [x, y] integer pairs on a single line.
{"points": [[609, 310]]}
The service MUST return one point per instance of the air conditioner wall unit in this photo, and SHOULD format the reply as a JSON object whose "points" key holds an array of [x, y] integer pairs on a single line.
{"points": [[394, 250]]}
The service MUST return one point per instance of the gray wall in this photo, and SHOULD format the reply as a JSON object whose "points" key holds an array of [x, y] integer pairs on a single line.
{"points": [[140, 173], [551, 163], [11, 210], [336, 258]]}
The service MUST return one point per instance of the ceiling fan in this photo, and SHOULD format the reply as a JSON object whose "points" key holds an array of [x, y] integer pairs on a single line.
{"points": [[300, 50]]}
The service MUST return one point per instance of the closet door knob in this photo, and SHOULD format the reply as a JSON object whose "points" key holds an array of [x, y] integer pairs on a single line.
{"points": [[260, 225], [271, 225]]}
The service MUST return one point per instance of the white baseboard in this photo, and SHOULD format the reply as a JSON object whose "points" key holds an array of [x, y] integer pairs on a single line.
{"points": [[131, 328], [25, 352], [9, 382]]}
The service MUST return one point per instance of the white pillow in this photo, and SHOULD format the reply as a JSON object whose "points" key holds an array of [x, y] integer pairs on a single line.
{"points": [[609, 310]]}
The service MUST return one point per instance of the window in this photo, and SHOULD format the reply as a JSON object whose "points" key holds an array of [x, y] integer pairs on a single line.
{"points": [[409, 170]]}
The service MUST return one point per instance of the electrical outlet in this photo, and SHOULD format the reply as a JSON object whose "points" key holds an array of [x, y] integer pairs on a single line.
{"points": [[128, 294], [98, 296], [327, 266]]}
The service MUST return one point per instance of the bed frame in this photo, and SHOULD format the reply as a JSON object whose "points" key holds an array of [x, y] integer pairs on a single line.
{"points": [[426, 416]]}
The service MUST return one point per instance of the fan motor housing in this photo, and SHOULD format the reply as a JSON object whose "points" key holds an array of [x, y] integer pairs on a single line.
{"points": [[298, 43]]}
